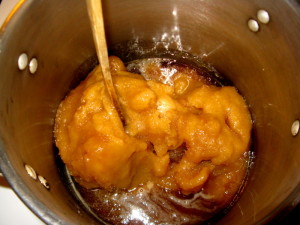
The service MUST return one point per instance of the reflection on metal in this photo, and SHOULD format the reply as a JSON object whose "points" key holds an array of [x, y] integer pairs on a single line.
{"points": [[33, 65], [253, 25], [263, 16], [31, 172], [295, 127], [171, 38], [218, 47], [44, 182], [22, 61]]}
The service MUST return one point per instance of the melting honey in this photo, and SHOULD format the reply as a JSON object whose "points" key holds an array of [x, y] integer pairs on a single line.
{"points": [[181, 156]]}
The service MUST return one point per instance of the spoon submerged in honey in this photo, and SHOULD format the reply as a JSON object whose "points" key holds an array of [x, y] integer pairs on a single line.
{"points": [[95, 12]]}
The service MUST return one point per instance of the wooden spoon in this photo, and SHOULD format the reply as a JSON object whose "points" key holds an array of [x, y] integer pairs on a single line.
{"points": [[96, 18]]}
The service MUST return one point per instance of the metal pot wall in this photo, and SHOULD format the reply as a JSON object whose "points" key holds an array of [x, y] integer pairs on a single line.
{"points": [[263, 65]]}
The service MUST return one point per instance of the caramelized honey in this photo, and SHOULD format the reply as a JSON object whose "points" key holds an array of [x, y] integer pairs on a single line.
{"points": [[181, 157]]}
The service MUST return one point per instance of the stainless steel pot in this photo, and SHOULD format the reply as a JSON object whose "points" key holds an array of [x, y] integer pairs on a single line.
{"points": [[264, 66]]}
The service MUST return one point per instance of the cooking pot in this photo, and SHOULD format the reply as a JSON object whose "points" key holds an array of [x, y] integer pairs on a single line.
{"points": [[46, 47]]}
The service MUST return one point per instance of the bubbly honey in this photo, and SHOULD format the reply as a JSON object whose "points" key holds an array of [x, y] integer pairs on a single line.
{"points": [[181, 156]]}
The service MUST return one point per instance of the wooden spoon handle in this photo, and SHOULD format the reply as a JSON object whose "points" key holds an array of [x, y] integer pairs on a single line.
{"points": [[96, 18]]}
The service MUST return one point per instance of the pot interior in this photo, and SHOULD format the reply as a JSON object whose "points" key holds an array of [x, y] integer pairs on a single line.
{"points": [[263, 66]]}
